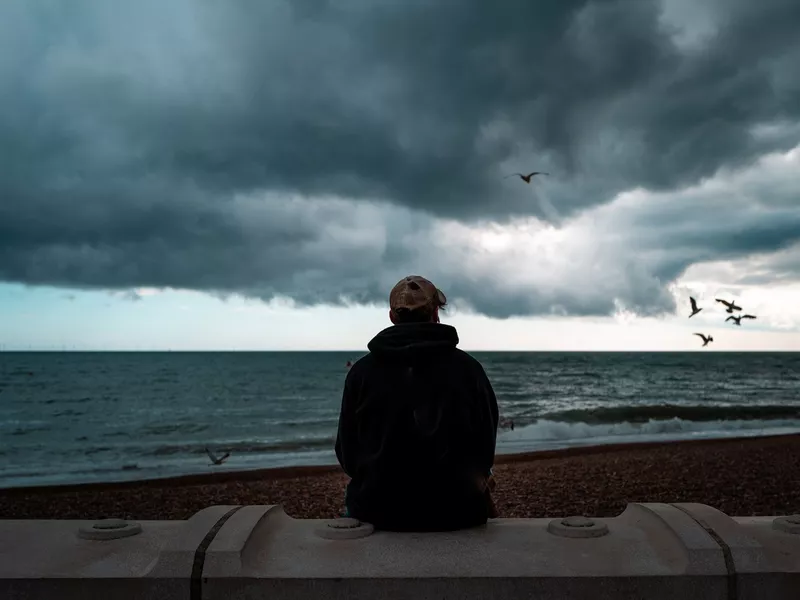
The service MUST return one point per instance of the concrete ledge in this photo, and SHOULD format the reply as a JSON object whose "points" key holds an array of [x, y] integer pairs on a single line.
{"points": [[652, 550], [777, 572], [47, 559], [177, 557]]}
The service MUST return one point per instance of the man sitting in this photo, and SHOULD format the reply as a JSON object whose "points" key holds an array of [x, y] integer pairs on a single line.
{"points": [[418, 423]]}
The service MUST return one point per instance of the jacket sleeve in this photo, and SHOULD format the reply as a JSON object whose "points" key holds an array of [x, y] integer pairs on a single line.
{"points": [[487, 422], [347, 434]]}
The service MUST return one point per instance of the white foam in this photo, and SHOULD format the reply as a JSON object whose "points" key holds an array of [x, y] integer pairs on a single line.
{"points": [[554, 434]]}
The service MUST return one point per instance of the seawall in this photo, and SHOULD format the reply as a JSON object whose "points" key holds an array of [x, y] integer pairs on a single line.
{"points": [[651, 550]]}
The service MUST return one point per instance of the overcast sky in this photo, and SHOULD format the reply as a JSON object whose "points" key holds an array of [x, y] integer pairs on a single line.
{"points": [[193, 174]]}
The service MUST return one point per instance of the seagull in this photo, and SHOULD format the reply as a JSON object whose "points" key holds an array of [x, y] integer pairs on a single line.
{"points": [[731, 305], [214, 459], [695, 310], [705, 339], [526, 178], [738, 319]]}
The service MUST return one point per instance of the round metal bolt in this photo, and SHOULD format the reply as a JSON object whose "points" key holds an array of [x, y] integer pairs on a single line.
{"points": [[344, 529], [109, 529], [577, 527], [790, 524]]}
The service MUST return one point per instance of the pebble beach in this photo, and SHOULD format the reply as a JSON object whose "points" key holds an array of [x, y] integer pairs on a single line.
{"points": [[743, 476]]}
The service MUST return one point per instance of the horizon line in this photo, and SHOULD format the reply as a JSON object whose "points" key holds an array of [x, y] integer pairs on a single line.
{"points": [[366, 351]]}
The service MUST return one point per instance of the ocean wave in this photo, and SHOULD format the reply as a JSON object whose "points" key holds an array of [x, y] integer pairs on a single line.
{"points": [[666, 412], [549, 431], [80, 400], [167, 428], [26, 430], [69, 413], [97, 450], [329, 421], [250, 447], [92, 469]]}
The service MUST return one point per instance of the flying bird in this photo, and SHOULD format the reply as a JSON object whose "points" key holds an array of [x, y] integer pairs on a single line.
{"points": [[526, 178], [705, 339], [214, 459], [695, 310], [731, 305], [737, 320]]}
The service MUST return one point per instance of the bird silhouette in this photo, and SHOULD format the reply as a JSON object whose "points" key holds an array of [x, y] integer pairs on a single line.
{"points": [[737, 320], [526, 178], [706, 339], [695, 310], [214, 459], [731, 305]]}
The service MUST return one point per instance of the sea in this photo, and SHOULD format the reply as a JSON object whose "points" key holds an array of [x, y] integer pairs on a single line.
{"points": [[75, 417]]}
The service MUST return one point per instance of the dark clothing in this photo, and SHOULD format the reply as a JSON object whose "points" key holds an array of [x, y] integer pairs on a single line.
{"points": [[417, 432]]}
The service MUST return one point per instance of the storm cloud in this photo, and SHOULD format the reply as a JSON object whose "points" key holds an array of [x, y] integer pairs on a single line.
{"points": [[320, 150]]}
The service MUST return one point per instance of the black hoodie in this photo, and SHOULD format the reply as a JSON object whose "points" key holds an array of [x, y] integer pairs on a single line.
{"points": [[417, 429]]}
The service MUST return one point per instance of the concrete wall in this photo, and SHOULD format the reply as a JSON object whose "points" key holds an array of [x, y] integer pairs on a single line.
{"points": [[650, 551]]}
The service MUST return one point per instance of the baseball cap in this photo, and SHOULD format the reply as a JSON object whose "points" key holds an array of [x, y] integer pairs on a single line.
{"points": [[414, 292]]}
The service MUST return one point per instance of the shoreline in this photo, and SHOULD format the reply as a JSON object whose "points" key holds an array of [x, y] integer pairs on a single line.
{"points": [[311, 471], [740, 476]]}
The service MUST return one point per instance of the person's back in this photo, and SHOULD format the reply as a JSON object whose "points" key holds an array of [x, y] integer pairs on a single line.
{"points": [[418, 423]]}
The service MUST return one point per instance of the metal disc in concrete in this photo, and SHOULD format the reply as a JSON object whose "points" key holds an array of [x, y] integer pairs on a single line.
{"points": [[109, 529], [344, 529], [790, 524], [577, 527]]}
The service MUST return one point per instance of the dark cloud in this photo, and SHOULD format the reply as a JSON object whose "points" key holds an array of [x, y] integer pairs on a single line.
{"points": [[780, 267], [752, 213], [153, 144]]}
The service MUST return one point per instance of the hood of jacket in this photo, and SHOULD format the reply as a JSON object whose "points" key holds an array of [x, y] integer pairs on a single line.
{"points": [[410, 340]]}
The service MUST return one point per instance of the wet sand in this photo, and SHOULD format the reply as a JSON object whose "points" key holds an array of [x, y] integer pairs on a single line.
{"points": [[743, 476]]}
